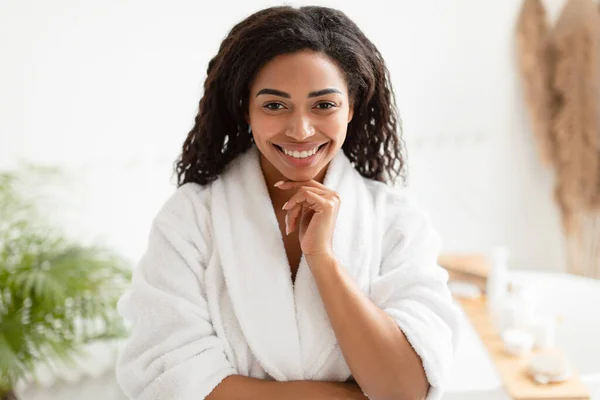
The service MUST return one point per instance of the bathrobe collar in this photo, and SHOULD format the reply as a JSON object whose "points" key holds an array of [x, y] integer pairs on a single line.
{"points": [[285, 324]]}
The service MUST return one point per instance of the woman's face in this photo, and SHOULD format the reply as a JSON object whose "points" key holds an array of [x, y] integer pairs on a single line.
{"points": [[299, 112]]}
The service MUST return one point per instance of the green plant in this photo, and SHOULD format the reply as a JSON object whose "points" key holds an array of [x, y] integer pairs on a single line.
{"points": [[55, 294]]}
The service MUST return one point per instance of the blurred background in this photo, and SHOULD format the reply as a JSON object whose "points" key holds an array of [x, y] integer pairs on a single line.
{"points": [[107, 90]]}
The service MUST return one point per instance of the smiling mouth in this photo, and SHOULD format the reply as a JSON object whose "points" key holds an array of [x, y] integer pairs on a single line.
{"points": [[300, 155]]}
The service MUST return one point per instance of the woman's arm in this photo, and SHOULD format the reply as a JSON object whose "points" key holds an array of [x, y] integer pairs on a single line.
{"points": [[398, 340], [380, 357], [237, 387]]}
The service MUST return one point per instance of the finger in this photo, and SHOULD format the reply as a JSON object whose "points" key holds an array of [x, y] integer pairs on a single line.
{"points": [[296, 214], [316, 190], [313, 186], [293, 216], [304, 218], [301, 212], [309, 199], [300, 196]]}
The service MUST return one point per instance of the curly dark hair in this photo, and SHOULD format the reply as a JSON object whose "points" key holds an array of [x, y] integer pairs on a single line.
{"points": [[373, 142]]}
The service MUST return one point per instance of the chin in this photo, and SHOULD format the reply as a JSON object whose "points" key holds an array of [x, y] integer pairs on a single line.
{"points": [[299, 175]]}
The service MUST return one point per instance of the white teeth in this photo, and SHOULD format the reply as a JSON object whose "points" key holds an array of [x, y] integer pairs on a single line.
{"points": [[300, 154]]}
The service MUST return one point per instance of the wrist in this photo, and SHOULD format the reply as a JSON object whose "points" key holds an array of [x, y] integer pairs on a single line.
{"points": [[325, 269], [323, 259]]}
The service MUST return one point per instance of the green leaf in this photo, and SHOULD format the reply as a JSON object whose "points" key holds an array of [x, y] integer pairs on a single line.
{"points": [[55, 294]]}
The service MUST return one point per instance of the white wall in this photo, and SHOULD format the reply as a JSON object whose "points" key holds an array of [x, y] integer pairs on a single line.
{"points": [[109, 89]]}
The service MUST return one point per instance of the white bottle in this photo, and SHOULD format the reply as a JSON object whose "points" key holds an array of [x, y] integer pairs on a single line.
{"points": [[497, 283], [543, 329]]}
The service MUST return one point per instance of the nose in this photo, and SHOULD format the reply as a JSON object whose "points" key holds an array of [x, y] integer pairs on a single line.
{"points": [[300, 128]]}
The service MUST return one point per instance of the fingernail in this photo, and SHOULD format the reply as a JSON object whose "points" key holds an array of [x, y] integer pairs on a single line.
{"points": [[283, 208], [278, 184], [287, 228]]}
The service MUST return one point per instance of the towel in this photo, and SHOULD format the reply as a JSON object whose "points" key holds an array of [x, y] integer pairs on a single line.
{"points": [[213, 295]]}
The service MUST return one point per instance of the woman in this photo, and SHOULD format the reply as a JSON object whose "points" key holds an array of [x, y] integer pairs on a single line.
{"points": [[283, 267]]}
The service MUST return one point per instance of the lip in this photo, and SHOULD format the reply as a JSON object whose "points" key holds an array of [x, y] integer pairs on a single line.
{"points": [[300, 146], [302, 162]]}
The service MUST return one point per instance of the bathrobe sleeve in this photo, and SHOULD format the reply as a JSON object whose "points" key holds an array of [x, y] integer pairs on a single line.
{"points": [[173, 351], [412, 289]]}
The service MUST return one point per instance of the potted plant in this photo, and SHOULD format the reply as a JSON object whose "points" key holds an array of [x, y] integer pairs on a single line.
{"points": [[56, 295]]}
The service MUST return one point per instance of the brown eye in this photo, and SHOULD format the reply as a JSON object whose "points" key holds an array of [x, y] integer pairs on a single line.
{"points": [[327, 106], [274, 106]]}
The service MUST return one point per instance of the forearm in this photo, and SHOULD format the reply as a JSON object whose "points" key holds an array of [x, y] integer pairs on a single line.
{"points": [[380, 357], [237, 387]]}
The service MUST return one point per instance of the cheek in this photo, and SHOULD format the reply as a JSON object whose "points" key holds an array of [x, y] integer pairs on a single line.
{"points": [[334, 126], [266, 126]]}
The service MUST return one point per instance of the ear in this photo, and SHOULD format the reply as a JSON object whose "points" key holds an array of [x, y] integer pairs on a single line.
{"points": [[247, 119]]}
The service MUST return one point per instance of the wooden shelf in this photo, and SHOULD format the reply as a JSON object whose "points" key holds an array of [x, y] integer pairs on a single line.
{"points": [[512, 370]]}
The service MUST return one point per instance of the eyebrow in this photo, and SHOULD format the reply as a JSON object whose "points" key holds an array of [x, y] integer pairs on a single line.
{"points": [[279, 93]]}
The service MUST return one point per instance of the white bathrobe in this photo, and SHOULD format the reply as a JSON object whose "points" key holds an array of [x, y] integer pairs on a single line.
{"points": [[212, 296]]}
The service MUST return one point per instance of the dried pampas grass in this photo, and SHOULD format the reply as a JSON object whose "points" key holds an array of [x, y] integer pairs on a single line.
{"points": [[560, 69], [532, 44]]}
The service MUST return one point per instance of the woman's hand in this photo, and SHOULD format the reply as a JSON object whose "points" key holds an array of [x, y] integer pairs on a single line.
{"points": [[313, 210]]}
